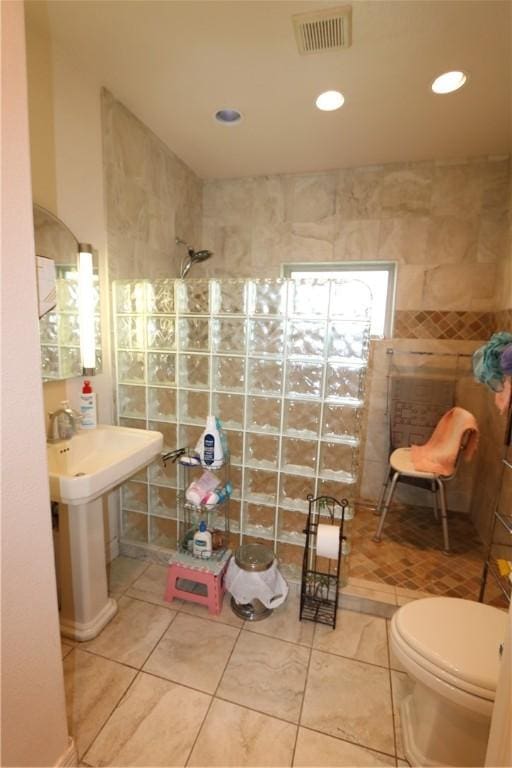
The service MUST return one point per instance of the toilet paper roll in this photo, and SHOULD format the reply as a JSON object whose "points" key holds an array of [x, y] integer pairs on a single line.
{"points": [[328, 541]]}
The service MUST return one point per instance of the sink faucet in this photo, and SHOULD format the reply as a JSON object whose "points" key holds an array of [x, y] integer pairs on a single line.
{"points": [[63, 424]]}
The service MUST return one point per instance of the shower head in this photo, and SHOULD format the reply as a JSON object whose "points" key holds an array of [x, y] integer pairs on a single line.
{"points": [[191, 258], [201, 256]]}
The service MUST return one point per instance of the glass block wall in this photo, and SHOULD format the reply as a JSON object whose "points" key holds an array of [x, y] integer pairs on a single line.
{"points": [[60, 329], [281, 362]]}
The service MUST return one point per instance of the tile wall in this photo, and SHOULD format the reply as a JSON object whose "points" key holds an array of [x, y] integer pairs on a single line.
{"points": [[446, 224], [489, 475], [152, 197]]}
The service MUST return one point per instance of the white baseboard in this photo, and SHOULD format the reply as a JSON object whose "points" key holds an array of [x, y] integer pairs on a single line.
{"points": [[69, 757]]}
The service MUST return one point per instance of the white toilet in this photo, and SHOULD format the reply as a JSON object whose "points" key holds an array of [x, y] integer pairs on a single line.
{"points": [[450, 648]]}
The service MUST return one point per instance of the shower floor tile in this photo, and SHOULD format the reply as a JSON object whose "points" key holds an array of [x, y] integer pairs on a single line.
{"points": [[410, 556]]}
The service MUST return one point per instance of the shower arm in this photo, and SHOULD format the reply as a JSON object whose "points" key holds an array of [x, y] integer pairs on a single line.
{"points": [[186, 262], [186, 265], [192, 256]]}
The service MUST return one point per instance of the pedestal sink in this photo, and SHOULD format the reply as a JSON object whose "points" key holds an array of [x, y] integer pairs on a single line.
{"points": [[81, 471]]}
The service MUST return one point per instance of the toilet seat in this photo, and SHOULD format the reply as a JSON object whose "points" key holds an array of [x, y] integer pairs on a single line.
{"points": [[429, 636]]}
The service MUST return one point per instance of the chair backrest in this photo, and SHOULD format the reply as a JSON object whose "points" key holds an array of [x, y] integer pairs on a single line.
{"points": [[416, 404]]}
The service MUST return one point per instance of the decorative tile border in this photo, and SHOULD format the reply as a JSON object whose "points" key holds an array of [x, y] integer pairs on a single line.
{"points": [[436, 324]]}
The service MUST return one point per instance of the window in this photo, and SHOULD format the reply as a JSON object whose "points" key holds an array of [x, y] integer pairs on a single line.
{"points": [[378, 276]]}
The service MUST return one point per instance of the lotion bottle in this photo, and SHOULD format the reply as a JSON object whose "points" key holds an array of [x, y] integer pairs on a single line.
{"points": [[202, 544], [88, 407], [209, 446]]}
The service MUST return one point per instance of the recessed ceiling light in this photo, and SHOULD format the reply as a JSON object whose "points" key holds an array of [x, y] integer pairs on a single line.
{"points": [[449, 81], [330, 100], [228, 116]]}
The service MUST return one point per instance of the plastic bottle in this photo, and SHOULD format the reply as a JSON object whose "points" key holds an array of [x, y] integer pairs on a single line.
{"points": [[209, 446], [201, 488], [202, 545], [223, 438], [218, 495], [88, 407]]}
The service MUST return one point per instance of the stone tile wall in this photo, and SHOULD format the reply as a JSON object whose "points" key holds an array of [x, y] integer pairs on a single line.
{"points": [[489, 470], [152, 197], [505, 272], [444, 223]]}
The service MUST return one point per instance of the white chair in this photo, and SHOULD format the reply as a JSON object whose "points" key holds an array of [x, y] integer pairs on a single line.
{"points": [[402, 468]]}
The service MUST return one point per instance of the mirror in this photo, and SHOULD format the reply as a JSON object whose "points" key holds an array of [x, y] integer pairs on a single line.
{"points": [[59, 327]]}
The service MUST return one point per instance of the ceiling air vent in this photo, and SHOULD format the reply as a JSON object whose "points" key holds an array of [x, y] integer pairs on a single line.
{"points": [[327, 30]]}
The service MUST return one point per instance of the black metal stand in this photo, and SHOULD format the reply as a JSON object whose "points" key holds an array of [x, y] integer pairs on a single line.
{"points": [[321, 575]]}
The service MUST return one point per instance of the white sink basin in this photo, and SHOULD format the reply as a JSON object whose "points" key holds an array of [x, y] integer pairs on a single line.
{"points": [[96, 460]]}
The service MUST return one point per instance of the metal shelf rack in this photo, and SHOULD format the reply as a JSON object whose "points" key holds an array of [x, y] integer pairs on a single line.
{"points": [[500, 546], [190, 515]]}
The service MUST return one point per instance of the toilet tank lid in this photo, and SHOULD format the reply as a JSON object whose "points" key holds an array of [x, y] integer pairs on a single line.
{"points": [[459, 636]]}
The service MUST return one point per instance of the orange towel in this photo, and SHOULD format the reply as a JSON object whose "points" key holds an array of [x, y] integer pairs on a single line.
{"points": [[439, 454]]}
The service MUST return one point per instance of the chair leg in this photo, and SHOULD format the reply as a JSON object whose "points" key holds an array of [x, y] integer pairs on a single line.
{"points": [[391, 491], [444, 517], [378, 508], [434, 491]]}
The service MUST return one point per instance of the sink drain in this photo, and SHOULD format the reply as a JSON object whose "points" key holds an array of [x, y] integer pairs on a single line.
{"points": [[79, 474]]}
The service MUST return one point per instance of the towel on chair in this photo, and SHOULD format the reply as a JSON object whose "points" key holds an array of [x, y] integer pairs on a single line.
{"points": [[439, 454]]}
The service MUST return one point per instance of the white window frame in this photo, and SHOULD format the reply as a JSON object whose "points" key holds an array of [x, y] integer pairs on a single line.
{"points": [[355, 266]]}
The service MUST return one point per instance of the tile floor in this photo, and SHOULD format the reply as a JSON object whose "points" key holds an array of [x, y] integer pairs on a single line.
{"points": [[410, 555], [169, 685]]}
